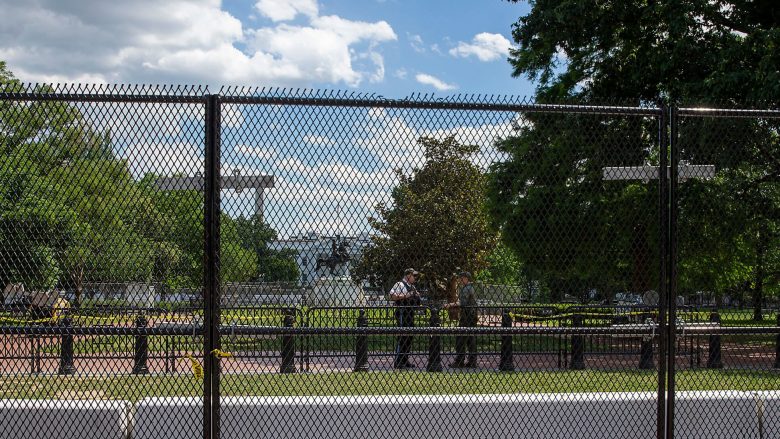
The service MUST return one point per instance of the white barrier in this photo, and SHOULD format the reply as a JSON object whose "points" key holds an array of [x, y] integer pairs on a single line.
{"points": [[715, 414], [450, 416], [768, 407], [718, 414], [64, 419], [710, 414]]}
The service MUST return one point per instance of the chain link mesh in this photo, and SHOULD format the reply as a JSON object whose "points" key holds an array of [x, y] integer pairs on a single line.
{"points": [[470, 266]]}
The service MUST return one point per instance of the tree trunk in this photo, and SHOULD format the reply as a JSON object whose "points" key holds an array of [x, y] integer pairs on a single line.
{"points": [[78, 286], [758, 286], [640, 280]]}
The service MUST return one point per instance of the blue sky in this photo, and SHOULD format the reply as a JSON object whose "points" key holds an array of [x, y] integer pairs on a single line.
{"points": [[332, 165], [389, 47]]}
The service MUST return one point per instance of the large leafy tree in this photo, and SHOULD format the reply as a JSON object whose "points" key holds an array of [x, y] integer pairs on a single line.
{"points": [[65, 209], [179, 251], [272, 265], [71, 212], [684, 51], [436, 223]]}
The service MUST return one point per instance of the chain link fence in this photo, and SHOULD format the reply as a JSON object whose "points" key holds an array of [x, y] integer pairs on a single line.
{"points": [[268, 262]]}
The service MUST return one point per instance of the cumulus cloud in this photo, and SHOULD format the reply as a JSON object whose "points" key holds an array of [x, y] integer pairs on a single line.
{"points": [[283, 10], [485, 46], [188, 41], [438, 84]]}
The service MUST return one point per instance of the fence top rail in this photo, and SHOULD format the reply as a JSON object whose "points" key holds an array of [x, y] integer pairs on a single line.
{"points": [[728, 113], [104, 97], [194, 330], [459, 102], [305, 97]]}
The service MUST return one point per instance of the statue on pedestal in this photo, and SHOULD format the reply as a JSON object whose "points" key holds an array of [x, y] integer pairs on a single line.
{"points": [[338, 258], [336, 288]]}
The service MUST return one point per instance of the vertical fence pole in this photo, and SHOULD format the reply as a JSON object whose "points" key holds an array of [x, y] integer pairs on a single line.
{"points": [[777, 344], [66, 348], [34, 353], [434, 346], [577, 345], [663, 221], [671, 302], [507, 362], [288, 344], [361, 344], [714, 359], [211, 269], [141, 348], [646, 361]]}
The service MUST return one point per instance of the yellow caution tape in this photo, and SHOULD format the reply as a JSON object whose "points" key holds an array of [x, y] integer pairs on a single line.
{"points": [[197, 368], [25, 321], [221, 354]]}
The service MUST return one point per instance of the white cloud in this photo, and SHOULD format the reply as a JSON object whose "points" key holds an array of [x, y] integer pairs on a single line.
{"points": [[417, 44], [322, 52], [379, 62], [231, 116], [315, 140], [255, 151], [165, 159], [401, 73], [485, 46], [187, 41], [438, 84], [283, 10]]}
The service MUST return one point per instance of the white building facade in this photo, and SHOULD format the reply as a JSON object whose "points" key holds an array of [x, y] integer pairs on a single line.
{"points": [[313, 246]]}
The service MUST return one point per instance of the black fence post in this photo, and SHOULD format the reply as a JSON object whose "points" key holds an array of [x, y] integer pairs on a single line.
{"points": [[434, 345], [288, 345], [714, 360], [211, 266], [141, 350], [777, 344], [577, 346], [361, 344], [66, 348], [507, 362], [646, 360], [35, 351]]}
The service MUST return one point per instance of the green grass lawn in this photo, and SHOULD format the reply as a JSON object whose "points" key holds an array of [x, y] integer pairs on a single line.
{"points": [[379, 383]]}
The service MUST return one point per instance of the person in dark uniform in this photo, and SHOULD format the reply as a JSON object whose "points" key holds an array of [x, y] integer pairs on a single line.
{"points": [[467, 302], [406, 298]]}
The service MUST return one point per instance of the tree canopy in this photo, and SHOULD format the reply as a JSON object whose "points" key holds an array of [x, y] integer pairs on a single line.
{"points": [[688, 52], [436, 223], [72, 213]]}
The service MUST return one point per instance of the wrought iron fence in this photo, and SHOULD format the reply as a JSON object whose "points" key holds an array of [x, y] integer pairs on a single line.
{"points": [[178, 263]]}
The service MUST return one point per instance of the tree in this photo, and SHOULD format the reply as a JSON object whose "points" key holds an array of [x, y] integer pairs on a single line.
{"points": [[436, 222], [67, 208], [272, 265], [71, 212], [179, 249], [689, 51], [501, 267]]}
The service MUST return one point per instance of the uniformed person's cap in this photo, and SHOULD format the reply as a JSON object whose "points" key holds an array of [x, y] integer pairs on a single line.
{"points": [[411, 271], [465, 274]]}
